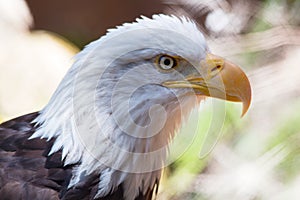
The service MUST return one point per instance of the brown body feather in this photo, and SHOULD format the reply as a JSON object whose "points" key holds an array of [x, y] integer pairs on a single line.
{"points": [[28, 173]]}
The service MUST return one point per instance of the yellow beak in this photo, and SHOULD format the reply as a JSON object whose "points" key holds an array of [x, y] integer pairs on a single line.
{"points": [[218, 78]]}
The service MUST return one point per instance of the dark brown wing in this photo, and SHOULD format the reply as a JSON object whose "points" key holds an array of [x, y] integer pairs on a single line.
{"points": [[27, 173]]}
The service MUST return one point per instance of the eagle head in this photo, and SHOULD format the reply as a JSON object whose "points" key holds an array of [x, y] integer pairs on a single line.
{"points": [[127, 93]]}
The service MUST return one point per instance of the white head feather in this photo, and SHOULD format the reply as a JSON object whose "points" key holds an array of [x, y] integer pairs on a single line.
{"points": [[110, 113]]}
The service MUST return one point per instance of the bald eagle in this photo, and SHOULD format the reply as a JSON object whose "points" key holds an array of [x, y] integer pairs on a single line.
{"points": [[105, 132]]}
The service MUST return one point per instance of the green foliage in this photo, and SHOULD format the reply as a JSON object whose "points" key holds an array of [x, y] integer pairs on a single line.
{"points": [[287, 134]]}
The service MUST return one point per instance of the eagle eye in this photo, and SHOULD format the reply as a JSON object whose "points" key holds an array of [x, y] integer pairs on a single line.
{"points": [[166, 62]]}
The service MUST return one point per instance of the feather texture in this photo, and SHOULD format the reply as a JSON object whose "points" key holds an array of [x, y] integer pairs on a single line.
{"points": [[27, 172], [111, 117]]}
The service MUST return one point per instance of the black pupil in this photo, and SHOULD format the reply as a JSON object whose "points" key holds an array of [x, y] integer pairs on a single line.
{"points": [[167, 62]]}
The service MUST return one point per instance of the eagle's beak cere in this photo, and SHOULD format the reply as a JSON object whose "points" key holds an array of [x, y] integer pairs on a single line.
{"points": [[218, 78]]}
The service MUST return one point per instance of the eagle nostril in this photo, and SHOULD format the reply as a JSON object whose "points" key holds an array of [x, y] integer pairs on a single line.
{"points": [[218, 67]]}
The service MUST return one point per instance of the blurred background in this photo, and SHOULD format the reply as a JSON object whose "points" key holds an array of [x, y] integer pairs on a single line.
{"points": [[256, 157]]}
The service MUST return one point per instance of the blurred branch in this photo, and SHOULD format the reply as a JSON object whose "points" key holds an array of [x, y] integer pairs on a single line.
{"points": [[259, 41]]}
